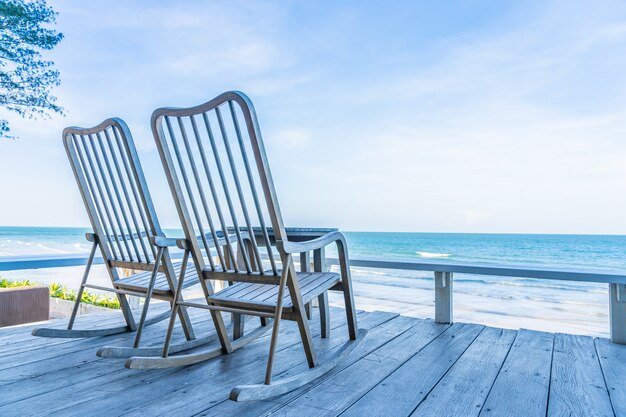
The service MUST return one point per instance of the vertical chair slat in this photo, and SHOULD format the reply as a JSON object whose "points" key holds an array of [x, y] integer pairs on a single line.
{"points": [[218, 208], [127, 198], [192, 201], [110, 232], [114, 185], [112, 205], [229, 202], [200, 189], [242, 201], [134, 186], [124, 184], [254, 194]]}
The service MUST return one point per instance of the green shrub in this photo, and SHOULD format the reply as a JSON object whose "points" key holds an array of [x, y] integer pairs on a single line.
{"points": [[5, 283], [60, 291]]}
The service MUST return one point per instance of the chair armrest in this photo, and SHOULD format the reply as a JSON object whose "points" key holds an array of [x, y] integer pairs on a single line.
{"points": [[168, 242], [309, 245], [182, 243], [92, 237]]}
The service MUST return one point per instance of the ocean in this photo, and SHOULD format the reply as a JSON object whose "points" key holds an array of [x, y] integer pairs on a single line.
{"points": [[500, 301]]}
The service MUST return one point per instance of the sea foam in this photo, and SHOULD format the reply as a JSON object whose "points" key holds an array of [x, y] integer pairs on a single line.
{"points": [[433, 255]]}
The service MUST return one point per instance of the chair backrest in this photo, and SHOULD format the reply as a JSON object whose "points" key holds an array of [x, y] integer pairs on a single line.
{"points": [[114, 190], [219, 176]]}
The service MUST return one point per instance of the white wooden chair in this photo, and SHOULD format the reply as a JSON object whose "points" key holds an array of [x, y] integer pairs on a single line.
{"points": [[220, 179], [126, 230]]}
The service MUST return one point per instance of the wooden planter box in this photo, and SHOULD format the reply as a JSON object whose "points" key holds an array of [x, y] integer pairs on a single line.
{"points": [[24, 305], [63, 308]]}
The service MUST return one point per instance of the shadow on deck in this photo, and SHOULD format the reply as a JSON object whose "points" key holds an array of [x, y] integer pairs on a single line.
{"points": [[405, 366]]}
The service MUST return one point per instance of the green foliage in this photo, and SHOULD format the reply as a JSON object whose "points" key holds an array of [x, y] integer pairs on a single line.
{"points": [[25, 78], [5, 283], [60, 291]]}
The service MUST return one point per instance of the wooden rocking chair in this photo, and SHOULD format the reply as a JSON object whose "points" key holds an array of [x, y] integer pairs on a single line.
{"points": [[215, 170], [127, 232]]}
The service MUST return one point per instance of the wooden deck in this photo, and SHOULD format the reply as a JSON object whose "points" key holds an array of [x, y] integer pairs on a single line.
{"points": [[405, 366]]}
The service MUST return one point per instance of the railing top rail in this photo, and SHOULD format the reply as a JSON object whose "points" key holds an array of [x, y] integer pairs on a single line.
{"points": [[562, 274], [11, 263]]}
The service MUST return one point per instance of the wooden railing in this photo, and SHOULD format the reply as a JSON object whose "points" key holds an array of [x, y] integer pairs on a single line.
{"points": [[444, 271], [443, 274]]}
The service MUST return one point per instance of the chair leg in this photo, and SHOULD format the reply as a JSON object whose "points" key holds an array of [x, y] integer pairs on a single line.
{"points": [[146, 305], [264, 321], [348, 297], [175, 307], [324, 314], [309, 311], [348, 294], [277, 316], [273, 342], [301, 320], [170, 329], [238, 325], [305, 335], [79, 296], [185, 322]]}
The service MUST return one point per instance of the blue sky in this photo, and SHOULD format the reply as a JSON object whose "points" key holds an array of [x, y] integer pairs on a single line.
{"points": [[454, 116]]}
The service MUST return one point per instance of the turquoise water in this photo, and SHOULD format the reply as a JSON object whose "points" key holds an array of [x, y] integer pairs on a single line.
{"points": [[576, 307], [537, 250], [569, 251], [593, 251]]}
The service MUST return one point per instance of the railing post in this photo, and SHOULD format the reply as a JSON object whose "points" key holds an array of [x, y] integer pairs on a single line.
{"points": [[617, 312], [443, 297]]}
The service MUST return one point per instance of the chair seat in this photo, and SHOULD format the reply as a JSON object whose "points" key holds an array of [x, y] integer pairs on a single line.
{"points": [[139, 282], [262, 297]]}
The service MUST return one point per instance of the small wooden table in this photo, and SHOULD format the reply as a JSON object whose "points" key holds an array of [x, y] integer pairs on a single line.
{"points": [[301, 234]]}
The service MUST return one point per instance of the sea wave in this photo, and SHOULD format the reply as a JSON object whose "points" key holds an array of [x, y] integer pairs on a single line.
{"points": [[433, 255]]}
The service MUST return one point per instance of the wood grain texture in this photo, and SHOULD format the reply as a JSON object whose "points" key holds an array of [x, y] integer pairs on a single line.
{"points": [[377, 337], [87, 395], [612, 359], [401, 391], [245, 366], [463, 390], [400, 367], [336, 393], [577, 386], [524, 380], [24, 305]]}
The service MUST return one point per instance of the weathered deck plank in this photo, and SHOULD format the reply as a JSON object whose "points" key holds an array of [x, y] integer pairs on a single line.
{"points": [[288, 362], [404, 366], [22, 340], [335, 394], [376, 338], [613, 361], [52, 374], [577, 386], [524, 380], [69, 398], [140, 388], [24, 365], [401, 392], [463, 390]]}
